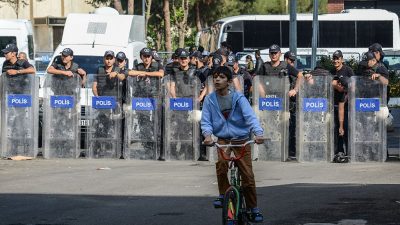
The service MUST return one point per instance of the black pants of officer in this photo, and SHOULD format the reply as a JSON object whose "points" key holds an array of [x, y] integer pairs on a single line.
{"points": [[341, 142]]}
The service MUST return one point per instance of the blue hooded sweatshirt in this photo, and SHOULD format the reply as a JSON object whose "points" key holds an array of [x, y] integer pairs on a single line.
{"points": [[240, 123]]}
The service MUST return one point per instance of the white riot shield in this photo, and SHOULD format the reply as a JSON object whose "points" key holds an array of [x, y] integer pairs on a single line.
{"points": [[181, 118], [105, 122], [212, 154], [367, 113], [314, 125], [271, 105], [61, 116], [143, 118], [19, 116]]}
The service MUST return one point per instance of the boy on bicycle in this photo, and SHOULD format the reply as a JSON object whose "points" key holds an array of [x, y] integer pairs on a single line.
{"points": [[228, 115]]}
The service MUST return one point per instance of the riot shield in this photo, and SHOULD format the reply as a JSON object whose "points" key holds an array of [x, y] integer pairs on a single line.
{"points": [[181, 122], [61, 116], [314, 125], [271, 105], [212, 154], [105, 122], [143, 118], [367, 114], [19, 115]]}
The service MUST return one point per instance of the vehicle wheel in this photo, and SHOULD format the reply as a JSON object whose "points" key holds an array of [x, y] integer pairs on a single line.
{"points": [[230, 207]]}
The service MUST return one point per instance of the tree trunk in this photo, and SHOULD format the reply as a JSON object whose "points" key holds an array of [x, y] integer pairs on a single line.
{"points": [[131, 8], [118, 6], [159, 40], [167, 22], [148, 10], [198, 20], [183, 24]]}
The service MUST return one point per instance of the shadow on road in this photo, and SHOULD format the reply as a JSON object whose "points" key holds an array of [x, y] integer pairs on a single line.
{"points": [[286, 204]]}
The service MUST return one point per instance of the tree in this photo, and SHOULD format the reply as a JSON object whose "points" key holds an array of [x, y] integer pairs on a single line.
{"points": [[148, 10], [16, 5], [167, 26], [181, 20]]}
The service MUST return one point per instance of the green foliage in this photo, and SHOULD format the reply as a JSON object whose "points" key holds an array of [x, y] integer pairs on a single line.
{"points": [[394, 83], [211, 11]]}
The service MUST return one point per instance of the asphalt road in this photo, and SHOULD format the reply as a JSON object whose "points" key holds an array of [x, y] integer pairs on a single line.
{"points": [[85, 192]]}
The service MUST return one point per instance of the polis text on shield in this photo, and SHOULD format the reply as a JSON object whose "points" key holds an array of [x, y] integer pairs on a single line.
{"points": [[103, 103], [19, 101]]}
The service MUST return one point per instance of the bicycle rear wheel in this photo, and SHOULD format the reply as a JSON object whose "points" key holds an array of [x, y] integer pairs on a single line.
{"points": [[230, 210]]}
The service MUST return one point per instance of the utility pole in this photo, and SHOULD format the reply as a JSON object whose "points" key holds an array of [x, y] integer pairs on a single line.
{"points": [[293, 28], [314, 42]]}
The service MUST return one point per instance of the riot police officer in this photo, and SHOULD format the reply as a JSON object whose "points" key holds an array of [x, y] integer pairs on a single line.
{"points": [[240, 74], [64, 69], [259, 63], [373, 69], [144, 82], [109, 81], [13, 66], [276, 68], [341, 74]]}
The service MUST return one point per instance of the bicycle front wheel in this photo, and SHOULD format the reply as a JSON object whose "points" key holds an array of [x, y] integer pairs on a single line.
{"points": [[230, 210]]}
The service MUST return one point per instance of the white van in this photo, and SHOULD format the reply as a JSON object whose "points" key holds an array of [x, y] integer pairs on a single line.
{"points": [[19, 32], [90, 35]]}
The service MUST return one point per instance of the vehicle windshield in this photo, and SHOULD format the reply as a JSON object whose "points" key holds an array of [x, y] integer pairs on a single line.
{"points": [[304, 61], [393, 61]]}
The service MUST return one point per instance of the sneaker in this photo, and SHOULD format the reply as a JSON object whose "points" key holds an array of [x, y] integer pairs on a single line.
{"points": [[256, 216], [218, 202]]}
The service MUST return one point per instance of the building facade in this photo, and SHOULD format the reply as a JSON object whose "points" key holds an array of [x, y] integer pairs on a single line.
{"points": [[47, 16], [335, 6]]}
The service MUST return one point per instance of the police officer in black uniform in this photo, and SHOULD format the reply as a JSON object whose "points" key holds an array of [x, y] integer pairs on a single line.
{"points": [[341, 77], [147, 84], [373, 69], [64, 70], [259, 63], [240, 74], [174, 63], [278, 68], [179, 85], [15, 74], [109, 81], [14, 67], [202, 71]]}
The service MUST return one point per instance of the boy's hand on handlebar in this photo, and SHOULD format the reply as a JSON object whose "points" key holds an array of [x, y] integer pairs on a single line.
{"points": [[208, 141], [259, 139]]}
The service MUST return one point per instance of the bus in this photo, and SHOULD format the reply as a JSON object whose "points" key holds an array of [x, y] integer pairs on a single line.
{"points": [[351, 31]]}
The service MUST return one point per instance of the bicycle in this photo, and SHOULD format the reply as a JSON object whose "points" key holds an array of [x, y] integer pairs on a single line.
{"points": [[234, 211]]}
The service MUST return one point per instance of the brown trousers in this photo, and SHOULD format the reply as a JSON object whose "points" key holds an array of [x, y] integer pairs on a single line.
{"points": [[245, 170]]}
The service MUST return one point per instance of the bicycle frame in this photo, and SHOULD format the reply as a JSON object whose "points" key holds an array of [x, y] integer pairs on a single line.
{"points": [[237, 212]]}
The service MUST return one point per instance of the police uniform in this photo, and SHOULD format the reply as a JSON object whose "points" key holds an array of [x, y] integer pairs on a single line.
{"points": [[343, 76], [184, 80], [284, 69], [148, 87], [19, 83], [65, 85], [106, 86]]}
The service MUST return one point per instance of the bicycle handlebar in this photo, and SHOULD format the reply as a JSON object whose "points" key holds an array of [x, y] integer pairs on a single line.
{"points": [[231, 158], [231, 145]]}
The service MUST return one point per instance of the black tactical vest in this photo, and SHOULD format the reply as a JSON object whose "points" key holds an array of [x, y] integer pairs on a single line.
{"points": [[184, 81], [64, 85], [146, 86]]}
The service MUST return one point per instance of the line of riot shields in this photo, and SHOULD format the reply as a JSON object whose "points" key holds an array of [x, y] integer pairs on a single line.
{"points": [[156, 118]]}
